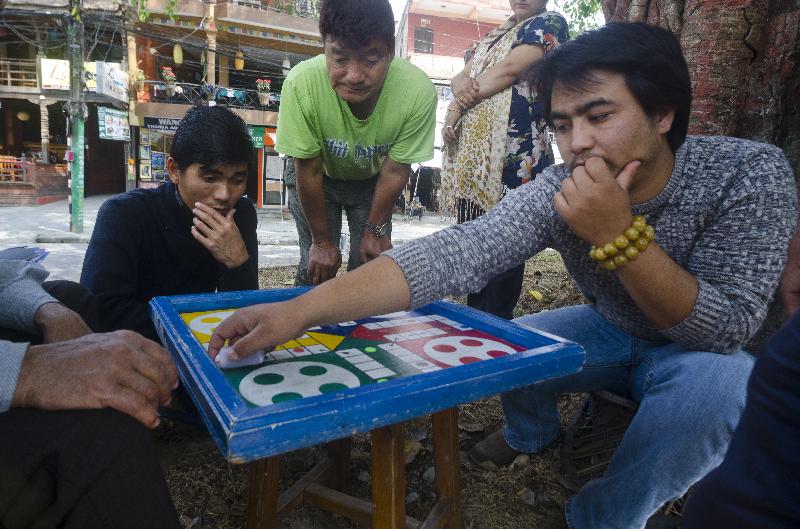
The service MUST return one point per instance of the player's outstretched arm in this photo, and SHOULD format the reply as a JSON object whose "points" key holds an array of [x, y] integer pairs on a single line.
{"points": [[377, 287], [120, 370]]}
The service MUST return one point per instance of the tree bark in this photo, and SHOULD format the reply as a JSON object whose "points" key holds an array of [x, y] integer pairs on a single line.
{"points": [[743, 57]]}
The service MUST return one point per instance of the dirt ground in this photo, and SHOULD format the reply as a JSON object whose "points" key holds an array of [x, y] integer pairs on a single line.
{"points": [[210, 493]]}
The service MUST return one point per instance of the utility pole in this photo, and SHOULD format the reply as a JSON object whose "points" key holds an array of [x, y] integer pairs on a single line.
{"points": [[77, 114]]}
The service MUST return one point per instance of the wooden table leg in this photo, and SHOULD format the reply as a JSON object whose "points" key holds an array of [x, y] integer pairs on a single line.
{"points": [[388, 477], [447, 462], [263, 501], [338, 476]]}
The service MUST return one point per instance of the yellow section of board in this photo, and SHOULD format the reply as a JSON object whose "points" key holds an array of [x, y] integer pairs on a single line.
{"points": [[202, 324], [331, 341]]}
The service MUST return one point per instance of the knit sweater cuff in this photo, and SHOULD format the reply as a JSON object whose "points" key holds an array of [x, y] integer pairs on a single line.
{"points": [[11, 357], [413, 263], [701, 330], [27, 295]]}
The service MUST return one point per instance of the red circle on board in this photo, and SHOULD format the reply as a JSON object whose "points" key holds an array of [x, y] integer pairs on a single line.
{"points": [[443, 348], [471, 342], [496, 354], [298, 349], [469, 359]]}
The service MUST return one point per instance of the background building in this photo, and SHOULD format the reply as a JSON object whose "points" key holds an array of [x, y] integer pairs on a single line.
{"points": [[34, 89], [145, 68]]}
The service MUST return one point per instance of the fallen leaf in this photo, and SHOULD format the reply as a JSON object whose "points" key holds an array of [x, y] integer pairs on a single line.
{"points": [[411, 449], [535, 294]]}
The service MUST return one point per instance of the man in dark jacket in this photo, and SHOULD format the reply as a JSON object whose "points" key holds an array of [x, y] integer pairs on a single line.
{"points": [[195, 233]]}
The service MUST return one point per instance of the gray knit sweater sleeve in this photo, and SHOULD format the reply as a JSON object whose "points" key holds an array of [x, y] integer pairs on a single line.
{"points": [[462, 258], [21, 295], [11, 356], [739, 255], [726, 216]]}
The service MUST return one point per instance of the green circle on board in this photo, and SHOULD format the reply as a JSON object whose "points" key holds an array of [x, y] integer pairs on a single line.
{"points": [[383, 380], [330, 388], [370, 349], [313, 371], [267, 379], [284, 397]]}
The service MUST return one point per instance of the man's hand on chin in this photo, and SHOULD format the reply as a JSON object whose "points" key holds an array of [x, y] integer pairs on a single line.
{"points": [[220, 235], [595, 202]]}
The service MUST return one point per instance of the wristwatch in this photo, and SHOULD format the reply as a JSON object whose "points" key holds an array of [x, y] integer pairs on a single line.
{"points": [[378, 230]]}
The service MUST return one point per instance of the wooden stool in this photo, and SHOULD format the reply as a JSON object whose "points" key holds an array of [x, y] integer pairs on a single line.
{"points": [[322, 485]]}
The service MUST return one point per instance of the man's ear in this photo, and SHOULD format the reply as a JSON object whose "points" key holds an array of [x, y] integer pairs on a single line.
{"points": [[664, 118], [173, 171]]}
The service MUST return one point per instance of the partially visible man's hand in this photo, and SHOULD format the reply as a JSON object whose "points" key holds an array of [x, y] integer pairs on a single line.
{"points": [[594, 202], [220, 235], [120, 370], [324, 260], [372, 246], [57, 323], [790, 281]]}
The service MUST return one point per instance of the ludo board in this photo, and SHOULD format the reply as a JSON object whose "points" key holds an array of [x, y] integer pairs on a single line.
{"points": [[355, 376]]}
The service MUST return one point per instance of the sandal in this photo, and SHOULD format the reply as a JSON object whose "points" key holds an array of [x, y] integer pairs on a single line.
{"points": [[494, 449]]}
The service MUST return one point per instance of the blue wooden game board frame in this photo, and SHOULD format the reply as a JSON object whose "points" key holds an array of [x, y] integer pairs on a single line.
{"points": [[244, 433]]}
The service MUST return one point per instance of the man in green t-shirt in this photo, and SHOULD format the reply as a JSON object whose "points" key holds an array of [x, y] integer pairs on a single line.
{"points": [[354, 119]]}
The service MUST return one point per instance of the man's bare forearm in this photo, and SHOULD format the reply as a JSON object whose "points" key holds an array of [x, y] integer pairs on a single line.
{"points": [[660, 287], [311, 193], [391, 181], [378, 287]]}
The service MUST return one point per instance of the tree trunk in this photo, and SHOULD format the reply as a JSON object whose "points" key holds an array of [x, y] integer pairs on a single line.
{"points": [[744, 61]]}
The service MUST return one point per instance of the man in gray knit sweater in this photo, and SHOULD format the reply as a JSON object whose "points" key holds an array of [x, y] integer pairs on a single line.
{"points": [[672, 296]]}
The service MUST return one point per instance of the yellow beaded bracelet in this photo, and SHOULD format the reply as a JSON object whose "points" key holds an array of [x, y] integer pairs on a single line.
{"points": [[626, 247]]}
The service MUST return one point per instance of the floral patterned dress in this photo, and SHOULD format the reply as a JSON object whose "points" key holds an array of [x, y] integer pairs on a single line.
{"points": [[503, 141], [528, 149]]}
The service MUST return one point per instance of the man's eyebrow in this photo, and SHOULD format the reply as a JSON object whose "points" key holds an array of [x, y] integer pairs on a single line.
{"points": [[582, 108]]}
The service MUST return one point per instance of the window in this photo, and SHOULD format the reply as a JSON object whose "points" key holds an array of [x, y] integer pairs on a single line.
{"points": [[423, 40]]}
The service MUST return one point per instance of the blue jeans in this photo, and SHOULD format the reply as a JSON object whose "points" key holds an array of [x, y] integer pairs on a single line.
{"points": [[689, 404]]}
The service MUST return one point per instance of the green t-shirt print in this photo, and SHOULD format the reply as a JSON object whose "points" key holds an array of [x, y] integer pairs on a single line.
{"points": [[314, 121]]}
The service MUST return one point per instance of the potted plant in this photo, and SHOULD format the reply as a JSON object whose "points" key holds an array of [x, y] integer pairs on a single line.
{"points": [[138, 79], [263, 86], [169, 79]]}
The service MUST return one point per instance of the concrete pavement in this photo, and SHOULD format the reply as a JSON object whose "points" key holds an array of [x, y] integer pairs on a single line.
{"points": [[47, 227]]}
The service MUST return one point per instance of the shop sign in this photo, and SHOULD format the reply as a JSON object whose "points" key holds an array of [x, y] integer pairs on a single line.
{"points": [[162, 124], [113, 124], [257, 133], [55, 74], [112, 80]]}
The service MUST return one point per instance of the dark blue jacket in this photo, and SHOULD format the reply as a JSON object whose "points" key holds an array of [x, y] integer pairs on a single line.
{"points": [[142, 247], [757, 486]]}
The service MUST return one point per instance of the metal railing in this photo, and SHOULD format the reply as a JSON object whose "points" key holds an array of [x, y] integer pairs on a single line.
{"points": [[190, 94], [18, 73], [13, 169], [300, 8]]}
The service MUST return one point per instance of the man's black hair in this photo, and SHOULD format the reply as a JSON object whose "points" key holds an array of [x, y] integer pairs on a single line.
{"points": [[353, 23], [211, 136], [649, 57]]}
